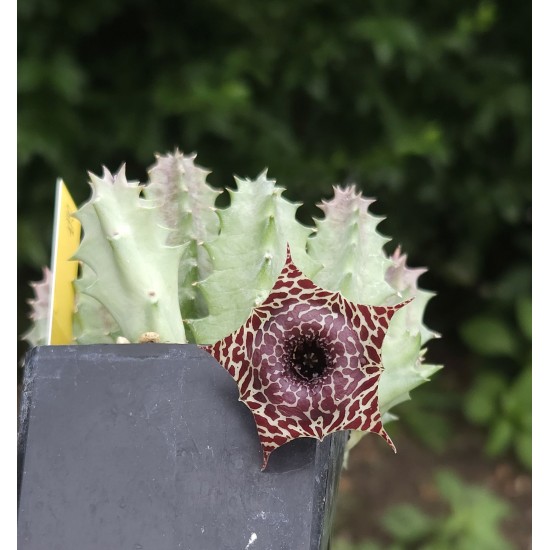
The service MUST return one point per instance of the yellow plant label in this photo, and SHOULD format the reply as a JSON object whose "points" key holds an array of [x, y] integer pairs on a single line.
{"points": [[66, 238]]}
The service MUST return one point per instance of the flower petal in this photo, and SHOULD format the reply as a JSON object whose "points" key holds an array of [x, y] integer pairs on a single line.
{"points": [[307, 362]]}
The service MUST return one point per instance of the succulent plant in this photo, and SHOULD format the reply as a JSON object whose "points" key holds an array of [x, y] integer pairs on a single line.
{"points": [[161, 258], [37, 335], [135, 266]]}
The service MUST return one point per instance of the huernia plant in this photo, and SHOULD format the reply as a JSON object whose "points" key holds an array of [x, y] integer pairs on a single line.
{"points": [[37, 335], [321, 330]]}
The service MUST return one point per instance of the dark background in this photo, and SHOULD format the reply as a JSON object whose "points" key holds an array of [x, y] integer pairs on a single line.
{"points": [[424, 105]]}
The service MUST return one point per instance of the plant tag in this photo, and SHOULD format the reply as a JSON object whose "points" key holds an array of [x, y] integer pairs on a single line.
{"points": [[66, 238]]}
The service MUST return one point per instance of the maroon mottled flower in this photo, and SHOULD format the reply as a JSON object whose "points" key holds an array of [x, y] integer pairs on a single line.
{"points": [[307, 362]]}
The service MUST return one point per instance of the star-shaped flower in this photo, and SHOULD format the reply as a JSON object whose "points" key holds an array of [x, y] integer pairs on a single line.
{"points": [[307, 362]]}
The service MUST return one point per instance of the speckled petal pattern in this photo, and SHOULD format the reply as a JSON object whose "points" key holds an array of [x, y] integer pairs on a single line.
{"points": [[307, 362]]}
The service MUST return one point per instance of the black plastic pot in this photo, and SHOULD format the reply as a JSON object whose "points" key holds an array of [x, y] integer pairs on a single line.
{"points": [[147, 447]]}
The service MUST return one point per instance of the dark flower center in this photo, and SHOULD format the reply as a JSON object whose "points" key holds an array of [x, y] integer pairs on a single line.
{"points": [[308, 359]]}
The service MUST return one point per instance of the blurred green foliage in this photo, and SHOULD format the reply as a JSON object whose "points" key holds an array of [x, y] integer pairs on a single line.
{"points": [[430, 416], [473, 521], [505, 409], [498, 397], [501, 404], [427, 107]]}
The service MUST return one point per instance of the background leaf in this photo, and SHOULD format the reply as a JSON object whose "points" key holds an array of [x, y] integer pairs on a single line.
{"points": [[489, 336]]}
